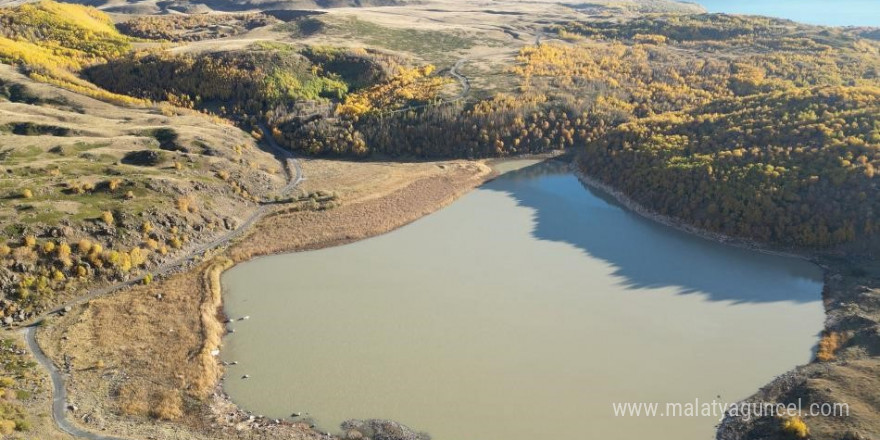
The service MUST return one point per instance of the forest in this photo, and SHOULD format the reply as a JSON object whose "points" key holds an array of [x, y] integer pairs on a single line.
{"points": [[795, 168], [192, 27], [52, 42]]}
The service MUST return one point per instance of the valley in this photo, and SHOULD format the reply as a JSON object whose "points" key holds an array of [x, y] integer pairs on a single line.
{"points": [[153, 151]]}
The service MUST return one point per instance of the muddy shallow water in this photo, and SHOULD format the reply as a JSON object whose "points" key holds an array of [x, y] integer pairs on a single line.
{"points": [[524, 310]]}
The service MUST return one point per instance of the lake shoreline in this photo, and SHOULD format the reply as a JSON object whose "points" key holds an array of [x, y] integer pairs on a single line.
{"points": [[221, 411], [460, 186], [562, 165], [635, 207], [184, 303], [339, 226], [845, 282]]}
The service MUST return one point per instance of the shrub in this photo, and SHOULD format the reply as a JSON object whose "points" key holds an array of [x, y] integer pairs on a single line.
{"points": [[7, 427], [175, 242], [129, 195], [138, 256], [75, 188], [828, 347], [169, 405], [48, 247], [63, 250], [24, 254], [107, 217], [132, 401], [84, 246], [27, 194], [796, 427], [4, 250], [186, 204], [30, 241], [22, 425]]}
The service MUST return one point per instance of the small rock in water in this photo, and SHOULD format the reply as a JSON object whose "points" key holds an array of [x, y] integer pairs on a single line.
{"points": [[233, 363], [246, 376], [232, 330], [296, 414], [244, 318]]}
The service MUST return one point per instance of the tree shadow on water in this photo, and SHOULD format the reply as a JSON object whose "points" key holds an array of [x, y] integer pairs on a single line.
{"points": [[646, 254]]}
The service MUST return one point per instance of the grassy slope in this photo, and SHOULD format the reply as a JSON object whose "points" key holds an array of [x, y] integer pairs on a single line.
{"points": [[80, 170]]}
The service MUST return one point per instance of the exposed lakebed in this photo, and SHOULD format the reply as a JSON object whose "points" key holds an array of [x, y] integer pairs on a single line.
{"points": [[523, 310]]}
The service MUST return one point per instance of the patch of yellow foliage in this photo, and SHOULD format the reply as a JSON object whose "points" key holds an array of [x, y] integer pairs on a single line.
{"points": [[796, 427], [54, 40], [84, 17], [828, 346], [408, 86]]}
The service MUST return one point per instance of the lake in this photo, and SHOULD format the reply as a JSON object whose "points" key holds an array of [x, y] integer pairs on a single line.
{"points": [[524, 310], [821, 12]]}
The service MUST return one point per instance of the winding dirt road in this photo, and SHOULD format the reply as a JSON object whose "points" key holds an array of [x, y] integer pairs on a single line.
{"points": [[293, 168], [465, 83]]}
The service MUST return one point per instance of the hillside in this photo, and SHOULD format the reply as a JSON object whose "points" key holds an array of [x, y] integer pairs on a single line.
{"points": [[203, 6], [644, 72], [794, 167], [96, 192], [52, 41]]}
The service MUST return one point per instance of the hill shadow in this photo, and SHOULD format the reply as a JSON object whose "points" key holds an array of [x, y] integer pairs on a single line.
{"points": [[646, 254]]}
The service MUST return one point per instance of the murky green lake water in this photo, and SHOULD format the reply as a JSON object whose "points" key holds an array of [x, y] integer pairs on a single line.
{"points": [[522, 311]]}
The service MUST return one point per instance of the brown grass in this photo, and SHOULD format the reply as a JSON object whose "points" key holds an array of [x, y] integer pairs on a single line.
{"points": [[212, 330], [169, 405], [133, 400], [361, 214]]}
